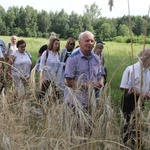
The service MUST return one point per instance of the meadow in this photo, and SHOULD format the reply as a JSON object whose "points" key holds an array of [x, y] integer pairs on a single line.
{"points": [[61, 128]]}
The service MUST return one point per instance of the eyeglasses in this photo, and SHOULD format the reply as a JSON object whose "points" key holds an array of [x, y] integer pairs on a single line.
{"points": [[22, 46], [71, 44]]}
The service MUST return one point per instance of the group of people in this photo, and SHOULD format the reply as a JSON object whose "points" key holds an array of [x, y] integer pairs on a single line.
{"points": [[77, 69]]}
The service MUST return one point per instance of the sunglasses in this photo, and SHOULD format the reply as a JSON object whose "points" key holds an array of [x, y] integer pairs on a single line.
{"points": [[22, 46], [71, 44]]}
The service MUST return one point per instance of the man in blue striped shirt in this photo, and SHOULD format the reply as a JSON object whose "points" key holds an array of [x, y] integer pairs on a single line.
{"points": [[83, 70]]}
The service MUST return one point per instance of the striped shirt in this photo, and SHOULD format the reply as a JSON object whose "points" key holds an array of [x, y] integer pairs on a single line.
{"points": [[79, 67]]}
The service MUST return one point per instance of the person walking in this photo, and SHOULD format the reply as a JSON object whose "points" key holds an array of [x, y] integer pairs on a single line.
{"points": [[19, 68], [83, 68], [49, 66], [66, 52], [136, 86]]}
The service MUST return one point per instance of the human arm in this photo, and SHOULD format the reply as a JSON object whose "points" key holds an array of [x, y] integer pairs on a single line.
{"points": [[1, 66]]}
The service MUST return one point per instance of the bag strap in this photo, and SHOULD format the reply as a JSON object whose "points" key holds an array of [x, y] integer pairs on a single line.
{"points": [[46, 56], [9, 45], [29, 56]]}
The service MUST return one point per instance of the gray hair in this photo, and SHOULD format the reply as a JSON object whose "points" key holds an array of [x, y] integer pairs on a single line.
{"points": [[144, 54], [13, 36], [83, 33]]}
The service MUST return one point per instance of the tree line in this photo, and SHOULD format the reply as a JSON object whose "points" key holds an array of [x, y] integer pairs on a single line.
{"points": [[28, 22]]}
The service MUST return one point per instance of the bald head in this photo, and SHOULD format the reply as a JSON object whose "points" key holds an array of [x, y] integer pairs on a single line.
{"points": [[14, 39]]}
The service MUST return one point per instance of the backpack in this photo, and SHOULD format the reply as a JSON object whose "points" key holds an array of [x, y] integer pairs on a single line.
{"points": [[37, 64]]}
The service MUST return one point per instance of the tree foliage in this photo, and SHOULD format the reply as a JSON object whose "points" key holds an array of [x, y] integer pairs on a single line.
{"points": [[26, 21]]}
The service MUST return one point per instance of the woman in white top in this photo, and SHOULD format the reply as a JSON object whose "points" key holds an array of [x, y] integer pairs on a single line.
{"points": [[136, 85], [49, 66], [20, 65]]}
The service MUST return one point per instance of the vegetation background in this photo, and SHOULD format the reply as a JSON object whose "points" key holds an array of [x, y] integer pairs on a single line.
{"points": [[28, 22], [117, 56], [59, 127]]}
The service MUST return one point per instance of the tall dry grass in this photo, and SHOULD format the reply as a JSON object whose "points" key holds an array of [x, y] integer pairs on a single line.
{"points": [[60, 126]]}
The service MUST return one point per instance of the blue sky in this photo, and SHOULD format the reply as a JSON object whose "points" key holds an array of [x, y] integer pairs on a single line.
{"points": [[120, 8]]}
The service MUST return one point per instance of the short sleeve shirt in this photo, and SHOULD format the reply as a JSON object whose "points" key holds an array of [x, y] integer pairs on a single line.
{"points": [[49, 65], [22, 64], [135, 77], [79, 67]]}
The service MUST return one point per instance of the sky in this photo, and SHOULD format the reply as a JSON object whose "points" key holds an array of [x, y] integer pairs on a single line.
{"points": [[120, 8]]}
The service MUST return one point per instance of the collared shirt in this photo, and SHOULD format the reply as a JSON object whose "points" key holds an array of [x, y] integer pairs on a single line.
{"points": [[136, 77], [2, 46], [79, 67]]}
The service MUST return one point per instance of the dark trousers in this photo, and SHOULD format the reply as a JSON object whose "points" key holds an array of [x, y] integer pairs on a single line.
{"points": [[128, 107], [44, 88], [1, 82]]}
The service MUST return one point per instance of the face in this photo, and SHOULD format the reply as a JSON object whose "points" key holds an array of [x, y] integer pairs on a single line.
{"points": [[71, 45], [87, 43], [14, 39], [98, 51], [22, 47], [56, 45]]}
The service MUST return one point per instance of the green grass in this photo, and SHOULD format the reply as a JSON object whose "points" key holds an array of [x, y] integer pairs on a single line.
{"points": [[117, 57]]}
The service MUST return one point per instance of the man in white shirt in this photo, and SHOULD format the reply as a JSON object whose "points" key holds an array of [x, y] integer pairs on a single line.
{"points": [[136, 86]]}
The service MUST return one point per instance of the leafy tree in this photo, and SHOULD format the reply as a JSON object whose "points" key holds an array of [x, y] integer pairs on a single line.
{"points": [[105, 31], [123, 30], [2, 13], [2, 21], [28, 19], [2, 27], [60, 23], [10, 18], [75, 25], [140, 26], [31, 20], [87, 23], [43, 21], [93, 12]]}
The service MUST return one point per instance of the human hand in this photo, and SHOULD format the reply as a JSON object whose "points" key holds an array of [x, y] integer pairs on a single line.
{"points": [[1, 71], [8, 76], [98, 85]]}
